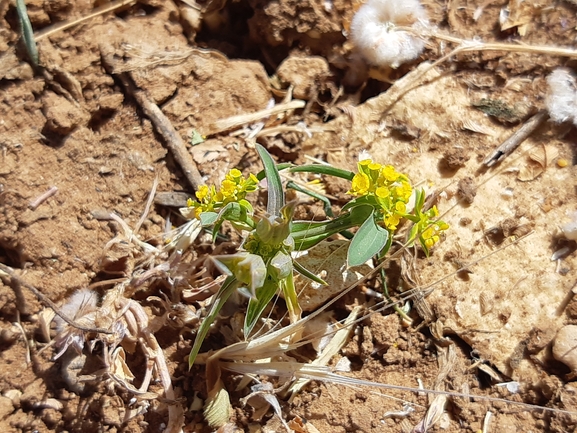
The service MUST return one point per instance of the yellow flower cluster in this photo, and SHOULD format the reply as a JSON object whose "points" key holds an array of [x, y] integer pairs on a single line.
{"points": [[233, 188], [390, 189], [430, 236]]}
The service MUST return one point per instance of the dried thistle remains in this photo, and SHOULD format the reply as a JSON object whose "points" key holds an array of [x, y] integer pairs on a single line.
{"points": [[561, 98], [374, 33]]}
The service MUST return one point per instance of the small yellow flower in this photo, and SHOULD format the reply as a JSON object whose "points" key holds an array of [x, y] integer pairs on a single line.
{"points": [[431, 234], [228, 188], [389, 173], [234, 175], [202, 192], [400, 207], [404, 191], [233, 188], [382, 192], [360, 185], [392, 221], [431, 241]]}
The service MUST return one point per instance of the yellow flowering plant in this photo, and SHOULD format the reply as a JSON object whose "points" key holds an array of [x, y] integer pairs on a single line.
{"points": [[264, 266], [228, 202]]}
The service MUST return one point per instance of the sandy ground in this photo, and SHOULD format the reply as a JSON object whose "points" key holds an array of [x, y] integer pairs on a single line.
{"points": [[75, 127]]}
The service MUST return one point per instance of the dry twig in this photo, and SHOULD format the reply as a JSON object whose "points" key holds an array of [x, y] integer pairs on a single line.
{"points": [[42, 198], [159, 120], [511, 143]]}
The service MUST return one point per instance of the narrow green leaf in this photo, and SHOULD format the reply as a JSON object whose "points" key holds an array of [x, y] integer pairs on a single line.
{"points": [[326, 203], [323, 169], [419, 201], [229, 286], [363, 200], [307, 234], [257, 305], [369, 240], [27, 32], [275, 192], [280, 167], [308, 274], [232, 212]]}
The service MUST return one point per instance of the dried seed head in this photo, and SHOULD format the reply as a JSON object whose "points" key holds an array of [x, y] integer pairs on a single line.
{"points": [[374, 34], [80, 304], [561, 98], [81, 308]]}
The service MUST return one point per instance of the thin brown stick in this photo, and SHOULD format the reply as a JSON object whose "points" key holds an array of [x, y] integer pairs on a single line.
{"points": [[160, 122], [42, 198], [17, 282], [511, 143]]}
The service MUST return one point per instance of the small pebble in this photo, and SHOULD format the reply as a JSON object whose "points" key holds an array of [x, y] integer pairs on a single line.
{"points": [[565, 346]]}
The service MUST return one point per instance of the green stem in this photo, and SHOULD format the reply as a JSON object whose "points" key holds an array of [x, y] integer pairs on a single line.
{"points": [[326, 203], [307, 234], [396, 307], [229, 286], [323, 169]]}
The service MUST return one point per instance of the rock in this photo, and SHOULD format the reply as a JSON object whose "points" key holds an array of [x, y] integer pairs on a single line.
{"points": [[304, 73], [565, 346], [6, 407], [62, 116]]}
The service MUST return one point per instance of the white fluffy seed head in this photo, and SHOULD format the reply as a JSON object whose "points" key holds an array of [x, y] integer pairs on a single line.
{"points": [[374, 35], [570, 228], [561, 98]]}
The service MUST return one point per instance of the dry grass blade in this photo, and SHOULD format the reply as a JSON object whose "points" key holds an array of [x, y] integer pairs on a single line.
{"points": [[44, 33], [243, 119]]}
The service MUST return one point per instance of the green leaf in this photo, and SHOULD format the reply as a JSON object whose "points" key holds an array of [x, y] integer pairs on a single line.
{"points": [[369, 240], [257, 305], [275, 192], [246, 204], [307, 234], [326, 203], [359, 201], [419, 201], [27, 32], [323, 169], [308, 274], [207, 219], [229, 286], [196, 138], [232, 212], [280, 167]]}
